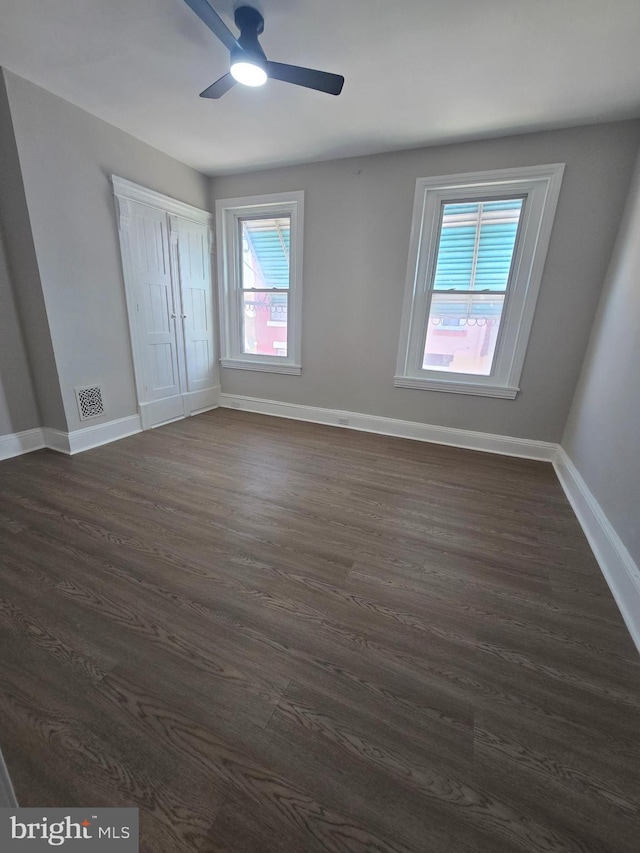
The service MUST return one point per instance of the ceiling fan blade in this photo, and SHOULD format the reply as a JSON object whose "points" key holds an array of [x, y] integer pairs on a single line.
{"points": [[212, 19], [219, 88], [321, 80]]}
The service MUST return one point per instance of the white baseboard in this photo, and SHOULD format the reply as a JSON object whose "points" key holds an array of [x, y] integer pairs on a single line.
{"points": [[616, 563], [197, 402], [169, 409], [502, 444], [159, 412], [17, 443], [57, 440], [95, 436]]}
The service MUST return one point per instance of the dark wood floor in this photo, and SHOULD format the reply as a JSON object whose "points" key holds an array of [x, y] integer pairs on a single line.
{"points": [[276, 637]]}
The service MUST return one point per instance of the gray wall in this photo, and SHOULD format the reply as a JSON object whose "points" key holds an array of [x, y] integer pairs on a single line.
{"points": [[602, 436], [18, 408], [25, 276], [66, 157], [358, 218], [357, 224]]}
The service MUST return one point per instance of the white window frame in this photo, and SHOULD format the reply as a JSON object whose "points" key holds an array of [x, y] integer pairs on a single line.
{"points": [[540, 185], [229, 212]]}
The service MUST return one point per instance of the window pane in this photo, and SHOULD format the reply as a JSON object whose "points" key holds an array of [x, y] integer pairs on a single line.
{"points": [[462, 332], [265, 252], [476, 244], [264, 323]]}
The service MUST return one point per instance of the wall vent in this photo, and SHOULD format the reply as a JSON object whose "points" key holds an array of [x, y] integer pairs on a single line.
{"points": [[90, 402]]}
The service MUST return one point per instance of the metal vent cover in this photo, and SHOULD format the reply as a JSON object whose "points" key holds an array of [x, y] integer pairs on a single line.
{"points": [[90, 402]]}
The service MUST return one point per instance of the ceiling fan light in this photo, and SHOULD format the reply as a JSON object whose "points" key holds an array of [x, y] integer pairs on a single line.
{"points": [[248, 73]]}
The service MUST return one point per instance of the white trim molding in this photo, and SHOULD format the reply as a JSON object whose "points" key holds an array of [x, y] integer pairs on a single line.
{"points": [[17, 443], [230, 213], [169, 409], [79, 440], [239, 364], [127, 190], [197, 402], [538, 187], [620, 571], [95, 436], [502, 391], [501, 444], [57, 440]]}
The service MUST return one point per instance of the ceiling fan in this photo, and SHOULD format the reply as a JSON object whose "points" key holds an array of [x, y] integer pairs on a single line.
{"points": [[249, 65]]}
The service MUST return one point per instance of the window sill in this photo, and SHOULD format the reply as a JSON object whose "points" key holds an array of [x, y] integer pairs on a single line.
{"points": [[452, 387], [265, 366]]}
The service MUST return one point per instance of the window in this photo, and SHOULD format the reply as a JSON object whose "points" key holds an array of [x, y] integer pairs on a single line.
{"points": [[477, 250], [260, 281]]}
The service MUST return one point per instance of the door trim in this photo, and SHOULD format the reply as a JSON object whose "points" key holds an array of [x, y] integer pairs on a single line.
{"points": [[159, 412], [135, 192]]}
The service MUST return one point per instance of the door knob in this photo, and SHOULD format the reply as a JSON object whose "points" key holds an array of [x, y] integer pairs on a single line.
{"points": [[173, 316], [184, 316]]}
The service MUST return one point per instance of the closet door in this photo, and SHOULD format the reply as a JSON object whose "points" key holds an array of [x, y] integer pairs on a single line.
{"points": [[155, 303], [194, 268], [166, 263]]}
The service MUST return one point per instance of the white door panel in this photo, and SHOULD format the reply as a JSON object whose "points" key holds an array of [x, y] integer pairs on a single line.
{"points": [[167, 272], [154, 303], [195, 289]]}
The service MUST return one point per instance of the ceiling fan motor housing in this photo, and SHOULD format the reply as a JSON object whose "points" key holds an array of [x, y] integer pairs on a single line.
{"points": [[247, 18], [251, 24]]}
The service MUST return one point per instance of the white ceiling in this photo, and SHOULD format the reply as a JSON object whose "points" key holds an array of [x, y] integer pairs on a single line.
{"points": [[418, 72]]}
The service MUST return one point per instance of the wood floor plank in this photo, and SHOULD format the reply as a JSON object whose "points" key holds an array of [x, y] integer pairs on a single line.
{"points": [[276, 637], [530, 770], [90, 758]]}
